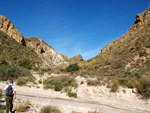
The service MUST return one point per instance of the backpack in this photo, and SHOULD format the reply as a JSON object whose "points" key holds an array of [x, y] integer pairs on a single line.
{"points": [[9, 91]]}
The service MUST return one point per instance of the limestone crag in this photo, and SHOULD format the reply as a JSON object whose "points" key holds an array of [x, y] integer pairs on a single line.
{"points": [[7, 27], [46, 52], [76, 58], [141, 20]]}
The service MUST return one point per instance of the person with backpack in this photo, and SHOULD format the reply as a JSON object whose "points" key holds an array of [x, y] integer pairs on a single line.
{"points": [[10, 92]]}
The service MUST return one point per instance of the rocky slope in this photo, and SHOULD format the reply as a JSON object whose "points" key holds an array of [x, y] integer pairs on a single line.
{"points": [[14, 53], [7, 27], [47, 54], [142, 19], [124, 56]]}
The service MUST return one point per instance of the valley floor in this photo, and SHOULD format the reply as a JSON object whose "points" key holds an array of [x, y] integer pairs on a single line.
{"points": [[90, 98]]}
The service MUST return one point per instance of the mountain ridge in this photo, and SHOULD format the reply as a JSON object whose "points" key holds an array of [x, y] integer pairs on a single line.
{"points": [[47, 54]]}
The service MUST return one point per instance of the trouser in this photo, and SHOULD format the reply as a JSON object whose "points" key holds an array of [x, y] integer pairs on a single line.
{"points": [[9, 104]]}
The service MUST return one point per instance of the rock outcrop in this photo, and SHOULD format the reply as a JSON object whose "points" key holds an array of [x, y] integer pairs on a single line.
{"points": [[7, 27], [76, 58], [49, 56], [141, 20]]}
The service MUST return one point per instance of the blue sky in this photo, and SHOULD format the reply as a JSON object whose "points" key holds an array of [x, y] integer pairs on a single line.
{"points": [[74, 27]]}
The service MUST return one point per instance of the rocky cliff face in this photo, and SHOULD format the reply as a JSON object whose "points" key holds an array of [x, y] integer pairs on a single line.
{"points": [[7, 27], [46, 52], [141, 20]]}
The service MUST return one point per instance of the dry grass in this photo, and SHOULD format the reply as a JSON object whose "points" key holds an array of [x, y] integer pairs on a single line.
{"points": [[23, 106], [50, 109]]}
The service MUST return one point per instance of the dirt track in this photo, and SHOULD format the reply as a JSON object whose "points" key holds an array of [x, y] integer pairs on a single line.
{"points": [[68, 105], [74, 105], [40, 97]]}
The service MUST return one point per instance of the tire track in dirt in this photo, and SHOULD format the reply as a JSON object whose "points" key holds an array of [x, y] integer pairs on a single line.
{"points": [[79, 105]]}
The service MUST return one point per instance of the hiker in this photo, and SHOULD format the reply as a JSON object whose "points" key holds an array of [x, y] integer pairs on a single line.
{"points": [[10, 92]]}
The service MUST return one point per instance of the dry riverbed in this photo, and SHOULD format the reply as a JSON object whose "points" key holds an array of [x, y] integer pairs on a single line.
{"points": [[90, 98]]}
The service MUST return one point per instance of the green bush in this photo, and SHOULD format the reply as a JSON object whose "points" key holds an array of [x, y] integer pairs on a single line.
{"points": [[72, 94], [26, 64], [58, 87], [40, 81], [148, 45], [142, 53], [58, 83], [8, 72], [122, 81], [24, 79], [50, 109], [72, 68], [45, 69], [144, 87], [62, 69]]}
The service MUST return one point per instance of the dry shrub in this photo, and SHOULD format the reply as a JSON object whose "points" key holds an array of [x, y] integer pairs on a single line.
{"points": [[93, 82], [115, 86], [50, 109]]}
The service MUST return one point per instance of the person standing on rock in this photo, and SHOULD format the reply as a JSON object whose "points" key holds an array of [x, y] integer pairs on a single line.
{"points": [[10, 92]]}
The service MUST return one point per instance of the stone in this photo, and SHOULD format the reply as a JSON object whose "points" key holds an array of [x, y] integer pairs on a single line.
{"points": [[135, 90]]}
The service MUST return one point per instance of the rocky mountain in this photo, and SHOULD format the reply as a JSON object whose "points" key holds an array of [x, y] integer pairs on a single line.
{"points": [[142, 19], [130, 53], [47, 54], [76, 58], [7, 27], [13, 53]]}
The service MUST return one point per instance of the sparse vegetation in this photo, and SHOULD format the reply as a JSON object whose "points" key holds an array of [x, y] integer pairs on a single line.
{"points": [[50, 109], [45, 69], [144, 87], [23, 106], [26, 64], [72, 68], [93, 111], [24, 79], [148, 44], [115, 86], [72, 94], [16, 53], [142, 53], [12, 72], [60, 82], [93, 82]]}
